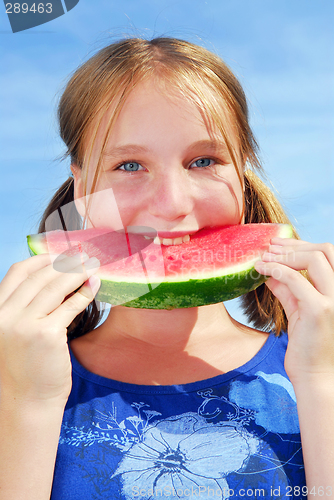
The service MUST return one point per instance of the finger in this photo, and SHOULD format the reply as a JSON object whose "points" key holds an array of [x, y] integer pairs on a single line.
{"points": [[315, 262], [299, 286], [20, 271], [54, 293], [287, 245], [77, 303], [284, 295], [286, 241], [45, 279], [27, 290]]}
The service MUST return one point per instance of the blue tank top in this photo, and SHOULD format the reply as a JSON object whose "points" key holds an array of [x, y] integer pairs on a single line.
{"points": [[235, 435]]}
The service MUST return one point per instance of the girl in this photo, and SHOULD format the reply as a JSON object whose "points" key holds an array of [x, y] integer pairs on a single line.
{"points": [[157, 403]]}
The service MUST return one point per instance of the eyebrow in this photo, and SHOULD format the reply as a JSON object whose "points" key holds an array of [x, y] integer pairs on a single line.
{"points": [[126, 149], [208, 144]]}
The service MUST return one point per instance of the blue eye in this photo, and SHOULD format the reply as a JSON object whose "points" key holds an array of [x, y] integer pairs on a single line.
{"points": [[130, 166], [203, 162]]}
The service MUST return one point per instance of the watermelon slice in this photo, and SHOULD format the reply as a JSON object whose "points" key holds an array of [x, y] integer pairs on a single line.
{"points": [[216, 265]]}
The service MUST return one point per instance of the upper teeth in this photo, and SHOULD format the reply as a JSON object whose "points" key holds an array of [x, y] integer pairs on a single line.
{"points": [[168, 241]]}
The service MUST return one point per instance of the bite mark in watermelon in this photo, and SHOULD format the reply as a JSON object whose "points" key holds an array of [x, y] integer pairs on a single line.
{"points": [[216, 265]]}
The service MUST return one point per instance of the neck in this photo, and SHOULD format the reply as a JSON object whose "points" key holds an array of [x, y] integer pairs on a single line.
{"points": [[175, 330], [160, 347]]}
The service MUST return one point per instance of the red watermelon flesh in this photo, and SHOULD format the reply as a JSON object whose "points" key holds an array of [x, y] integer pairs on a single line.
{"points": [[217, 263]]}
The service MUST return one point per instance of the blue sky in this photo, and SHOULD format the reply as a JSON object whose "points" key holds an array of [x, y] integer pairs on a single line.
{"points": [[281, 50]]}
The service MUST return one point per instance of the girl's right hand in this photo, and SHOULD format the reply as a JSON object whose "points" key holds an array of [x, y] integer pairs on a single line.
{"points": [[35, 363]]}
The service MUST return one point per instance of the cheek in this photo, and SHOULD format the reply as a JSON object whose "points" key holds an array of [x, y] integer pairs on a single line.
{"points": [[103, 210], [115, 207], [226, 202]]}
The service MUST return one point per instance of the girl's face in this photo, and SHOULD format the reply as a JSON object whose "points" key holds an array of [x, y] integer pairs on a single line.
{"points": [[165, 169]]}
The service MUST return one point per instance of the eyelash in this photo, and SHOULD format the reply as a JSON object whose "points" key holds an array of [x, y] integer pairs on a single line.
{"points": [[215, 160]]}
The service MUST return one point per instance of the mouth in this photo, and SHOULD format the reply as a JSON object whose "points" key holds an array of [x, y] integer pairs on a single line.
{"points": [[169, 241], [171, 238], [166, 238]]}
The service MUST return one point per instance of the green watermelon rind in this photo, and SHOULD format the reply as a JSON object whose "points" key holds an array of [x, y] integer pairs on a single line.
{"points": [[184, 294], [35, 244], [209, 288]]}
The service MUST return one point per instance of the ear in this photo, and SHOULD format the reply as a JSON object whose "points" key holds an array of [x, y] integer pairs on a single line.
{"points": [[79, 199]]}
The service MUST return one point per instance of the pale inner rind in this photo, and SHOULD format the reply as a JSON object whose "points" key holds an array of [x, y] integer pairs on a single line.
{"points": [[196, 275], [285, 231]]}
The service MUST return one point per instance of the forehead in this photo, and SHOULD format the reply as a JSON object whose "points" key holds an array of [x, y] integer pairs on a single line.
{"points": [[155, 103], [150, 109]]}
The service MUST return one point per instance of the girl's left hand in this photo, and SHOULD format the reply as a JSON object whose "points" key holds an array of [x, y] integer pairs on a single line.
{"points": [[309, 308]]}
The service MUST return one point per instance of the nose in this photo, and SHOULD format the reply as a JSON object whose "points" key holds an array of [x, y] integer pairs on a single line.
{"points": [[171, 196]]}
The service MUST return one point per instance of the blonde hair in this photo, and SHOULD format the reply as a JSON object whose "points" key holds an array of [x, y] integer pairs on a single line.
{"points": [[105, 81]]}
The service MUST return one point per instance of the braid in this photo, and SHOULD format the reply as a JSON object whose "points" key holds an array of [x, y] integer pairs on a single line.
{"points": [[261, 306], [62, 214]]}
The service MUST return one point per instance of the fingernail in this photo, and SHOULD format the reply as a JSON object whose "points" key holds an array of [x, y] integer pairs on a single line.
{"points": [[276, 248], [267, 255], [276, 239], [57, 256], [92, 263], [83, 255], [94, 282]]}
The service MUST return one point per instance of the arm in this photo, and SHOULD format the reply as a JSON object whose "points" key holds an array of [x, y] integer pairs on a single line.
{"points": [[315, 404], [28, 445], [309, 360], [35, 369]]}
